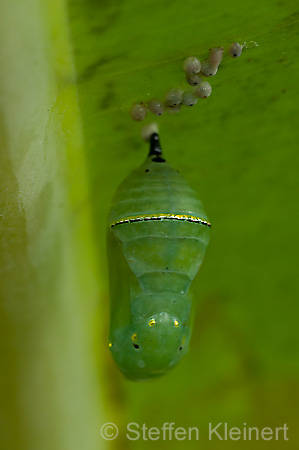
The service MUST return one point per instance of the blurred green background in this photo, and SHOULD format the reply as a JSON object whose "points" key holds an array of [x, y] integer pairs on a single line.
{"points": [[70, 71]]}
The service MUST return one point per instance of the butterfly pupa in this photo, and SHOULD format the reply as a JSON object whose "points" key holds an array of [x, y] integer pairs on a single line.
{"points": [[157, 237], [191, 65]]}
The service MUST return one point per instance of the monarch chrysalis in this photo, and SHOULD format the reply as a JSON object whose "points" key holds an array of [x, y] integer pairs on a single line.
{"points": [[157, 236]]}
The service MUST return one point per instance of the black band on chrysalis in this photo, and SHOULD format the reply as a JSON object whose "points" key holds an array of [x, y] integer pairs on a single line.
{"points": [[155, 149]]}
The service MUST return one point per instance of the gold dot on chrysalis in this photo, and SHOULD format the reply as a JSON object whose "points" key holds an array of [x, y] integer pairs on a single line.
{"points": [[176, 323], [152, 322], [110, 344], [134, 337]]}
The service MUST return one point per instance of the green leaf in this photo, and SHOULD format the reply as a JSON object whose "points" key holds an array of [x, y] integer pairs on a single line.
{"points": [[48, 279]]}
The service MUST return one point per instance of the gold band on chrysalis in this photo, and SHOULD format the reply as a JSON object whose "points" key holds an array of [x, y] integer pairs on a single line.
{"points": [[162, 216]]}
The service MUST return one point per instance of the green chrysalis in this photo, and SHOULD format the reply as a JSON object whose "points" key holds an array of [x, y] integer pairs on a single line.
{"points": [[157, 236]]}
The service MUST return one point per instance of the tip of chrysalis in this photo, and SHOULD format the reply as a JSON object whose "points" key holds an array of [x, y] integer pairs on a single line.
{"points": [[155, 148], [148, 130]]}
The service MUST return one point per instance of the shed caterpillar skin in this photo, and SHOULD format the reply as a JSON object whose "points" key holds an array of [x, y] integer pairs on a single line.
{"points": [[157, 236]]}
